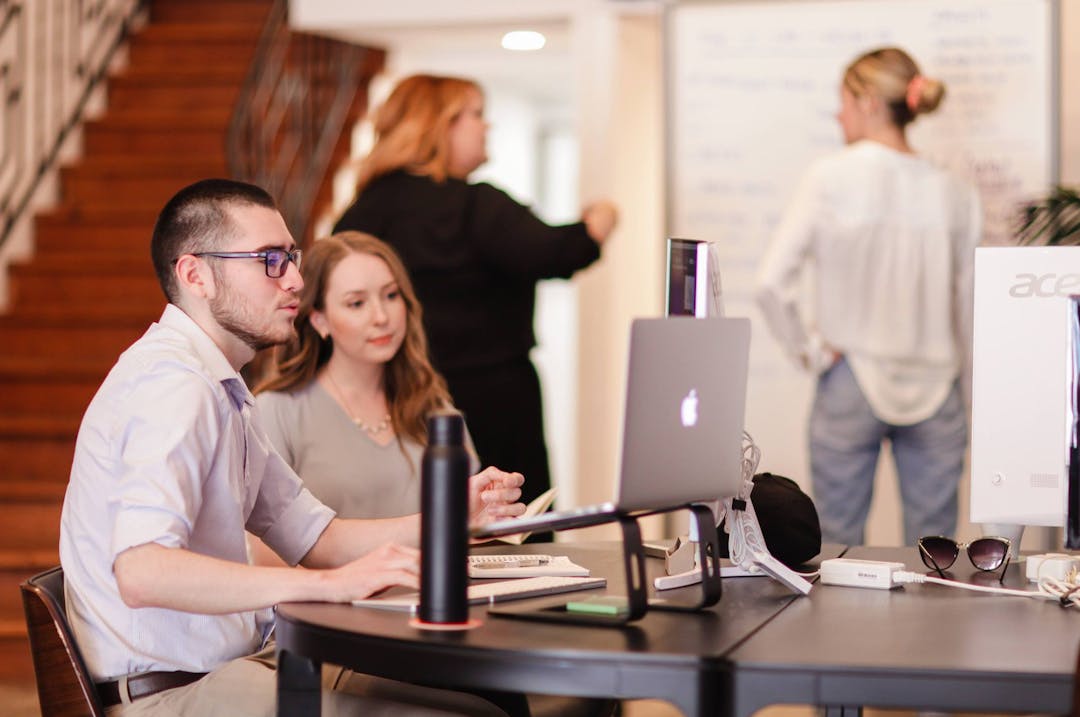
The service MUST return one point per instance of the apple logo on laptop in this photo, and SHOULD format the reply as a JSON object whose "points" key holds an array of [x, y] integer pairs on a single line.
{"points": [[688, 412]]}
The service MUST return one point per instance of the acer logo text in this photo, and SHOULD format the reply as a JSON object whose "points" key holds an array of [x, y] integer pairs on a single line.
{"points": [[1044, 285]]}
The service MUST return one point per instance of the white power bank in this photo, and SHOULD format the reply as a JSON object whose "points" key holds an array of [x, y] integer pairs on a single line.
{"points": [[859, 573]]}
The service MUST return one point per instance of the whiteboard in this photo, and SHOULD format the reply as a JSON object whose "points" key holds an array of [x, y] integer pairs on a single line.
{"points": [[753, 90]]}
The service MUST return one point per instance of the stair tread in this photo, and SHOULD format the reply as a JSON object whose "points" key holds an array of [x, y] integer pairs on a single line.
{"points": [[128, 164], [65, 367], [210, 65], [183, 32], [120, 266], [228, 13], [208, 85], [105, 127], [80, 214], [79, 221], [69, 321], [126, 93], [40, 426], [12, 628], [161, 174], [96, 313], [33, 559], [30, 490], [165, 120], [207, 116], [131, 262]]}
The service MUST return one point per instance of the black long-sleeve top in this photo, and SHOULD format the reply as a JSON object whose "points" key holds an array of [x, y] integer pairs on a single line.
{"points": [[474, 255]]}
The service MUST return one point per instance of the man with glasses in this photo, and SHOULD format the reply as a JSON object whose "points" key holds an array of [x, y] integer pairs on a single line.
{"points": [[171, 467]]}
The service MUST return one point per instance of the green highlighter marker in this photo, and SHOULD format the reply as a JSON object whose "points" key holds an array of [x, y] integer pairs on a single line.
{"points": [[608, 605]]}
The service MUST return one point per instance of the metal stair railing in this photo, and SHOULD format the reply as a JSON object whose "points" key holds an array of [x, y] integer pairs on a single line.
{"points": [[52, 57], [291, 113]]}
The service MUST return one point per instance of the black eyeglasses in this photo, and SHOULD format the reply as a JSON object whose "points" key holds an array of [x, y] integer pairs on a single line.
{"points": [[987, 554], [276, 260]]}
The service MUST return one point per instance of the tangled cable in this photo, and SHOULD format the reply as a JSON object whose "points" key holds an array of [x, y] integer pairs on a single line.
{"points": [[1065, 592]]}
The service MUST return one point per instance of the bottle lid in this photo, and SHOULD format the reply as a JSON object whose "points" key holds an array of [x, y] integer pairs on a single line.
{"points": [[446, 428]]}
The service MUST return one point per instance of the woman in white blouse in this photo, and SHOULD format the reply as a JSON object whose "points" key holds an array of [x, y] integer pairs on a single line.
{"points": [[890, 239]]}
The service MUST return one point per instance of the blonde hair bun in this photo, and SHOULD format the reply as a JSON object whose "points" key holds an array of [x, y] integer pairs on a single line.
{"points": [[931, 92]]}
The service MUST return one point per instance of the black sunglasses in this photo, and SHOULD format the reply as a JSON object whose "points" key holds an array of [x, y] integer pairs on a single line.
{"points": [[276, 260], [987, 554]]}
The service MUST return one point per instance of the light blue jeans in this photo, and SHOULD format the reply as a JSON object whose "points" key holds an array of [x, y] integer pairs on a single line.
{"points": [[845, 441]]}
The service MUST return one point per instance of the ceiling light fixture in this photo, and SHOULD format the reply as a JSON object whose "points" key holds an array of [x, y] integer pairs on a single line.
{"points": [[523, 40]]}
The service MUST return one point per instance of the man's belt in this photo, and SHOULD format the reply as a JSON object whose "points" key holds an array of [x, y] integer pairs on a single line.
{"points": [[144, 685]]}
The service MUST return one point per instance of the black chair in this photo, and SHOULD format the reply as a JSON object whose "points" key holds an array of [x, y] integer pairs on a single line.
{"points": [[64, 686]]}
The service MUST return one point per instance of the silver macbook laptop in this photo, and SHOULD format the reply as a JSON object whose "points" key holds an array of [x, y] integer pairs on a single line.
{"points": [[682, 438]]}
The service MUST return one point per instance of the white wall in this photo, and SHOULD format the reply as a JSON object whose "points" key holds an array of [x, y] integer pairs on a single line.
{"points": [[622, 155], [1070, 92]]}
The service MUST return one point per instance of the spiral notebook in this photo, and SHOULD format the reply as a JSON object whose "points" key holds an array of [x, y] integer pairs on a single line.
{"points": [[483, 593], [523, 566]]}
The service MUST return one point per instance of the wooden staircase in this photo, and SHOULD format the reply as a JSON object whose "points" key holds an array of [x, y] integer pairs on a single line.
{"points": [[90, 289]]}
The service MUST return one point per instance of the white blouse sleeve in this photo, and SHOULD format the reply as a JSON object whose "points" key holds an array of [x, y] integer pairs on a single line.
{"points": [[778, 281], [969, 236]]}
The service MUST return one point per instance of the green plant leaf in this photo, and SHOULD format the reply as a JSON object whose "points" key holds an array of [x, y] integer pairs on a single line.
{"points": [[1051, 221]]}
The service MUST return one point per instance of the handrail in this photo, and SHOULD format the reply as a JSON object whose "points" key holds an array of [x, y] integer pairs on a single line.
{"points": [[291, 112], [52, 57]]}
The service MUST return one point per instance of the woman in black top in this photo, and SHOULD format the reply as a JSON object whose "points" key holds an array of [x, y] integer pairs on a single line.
{"points": [[474, 255]]}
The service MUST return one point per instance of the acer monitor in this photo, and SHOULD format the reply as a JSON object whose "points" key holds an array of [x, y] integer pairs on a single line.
{"points": [[1024, 386]]}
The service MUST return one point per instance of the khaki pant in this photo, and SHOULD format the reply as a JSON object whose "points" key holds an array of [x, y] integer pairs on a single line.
{"points": [[247, 687]]}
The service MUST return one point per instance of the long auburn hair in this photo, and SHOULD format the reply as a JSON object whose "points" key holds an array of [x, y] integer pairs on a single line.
{"points": [[412, 127], [413, 388]]}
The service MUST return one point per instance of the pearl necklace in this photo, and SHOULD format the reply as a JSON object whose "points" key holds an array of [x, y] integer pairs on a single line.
{"points": [[375, 430]]}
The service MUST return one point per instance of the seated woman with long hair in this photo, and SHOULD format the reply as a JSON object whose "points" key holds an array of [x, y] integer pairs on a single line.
{"points": [[348, 400]]}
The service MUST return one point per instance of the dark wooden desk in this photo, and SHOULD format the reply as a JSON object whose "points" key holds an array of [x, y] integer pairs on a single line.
{"points": [[926, 647], [677, 657]]}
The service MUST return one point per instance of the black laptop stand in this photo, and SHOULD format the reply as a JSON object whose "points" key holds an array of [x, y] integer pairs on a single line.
{"points": [[637, 597]]}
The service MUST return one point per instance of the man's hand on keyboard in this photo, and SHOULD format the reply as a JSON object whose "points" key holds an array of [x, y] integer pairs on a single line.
{"points": [[386, 566], [494, 495]]}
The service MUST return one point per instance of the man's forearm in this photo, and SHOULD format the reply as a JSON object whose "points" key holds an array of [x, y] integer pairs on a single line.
{"points": [[345, 540], [152, 575]]}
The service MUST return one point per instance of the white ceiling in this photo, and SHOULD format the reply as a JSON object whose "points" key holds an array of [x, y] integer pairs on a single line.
{"points": [[457, 38]]}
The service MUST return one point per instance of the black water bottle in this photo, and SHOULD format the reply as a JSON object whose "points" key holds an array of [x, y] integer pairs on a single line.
{"points": [[444, 518]]}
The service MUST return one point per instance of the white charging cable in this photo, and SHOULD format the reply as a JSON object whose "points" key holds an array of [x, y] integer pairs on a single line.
{"points": [[744, 531], [1066, 593], [903, 577], [746, 542]]}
